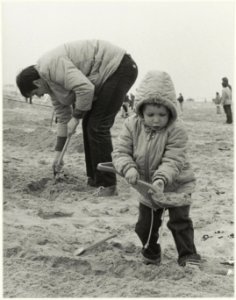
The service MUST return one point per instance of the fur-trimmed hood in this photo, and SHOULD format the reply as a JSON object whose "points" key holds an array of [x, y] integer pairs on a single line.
{"points": [[157, 87]]}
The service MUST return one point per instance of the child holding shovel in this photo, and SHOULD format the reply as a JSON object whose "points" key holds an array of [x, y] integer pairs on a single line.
{"points": [[152, 147]]}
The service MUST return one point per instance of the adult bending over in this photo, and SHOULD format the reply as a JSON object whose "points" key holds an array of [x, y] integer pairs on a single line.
{"points": [[94, 76]]}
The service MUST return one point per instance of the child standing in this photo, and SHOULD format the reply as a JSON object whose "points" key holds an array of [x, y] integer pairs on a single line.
{"points": [[152, 147], [217, 101]]}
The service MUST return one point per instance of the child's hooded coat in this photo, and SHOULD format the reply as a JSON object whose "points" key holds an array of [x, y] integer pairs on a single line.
{"points": [[155, 153]]}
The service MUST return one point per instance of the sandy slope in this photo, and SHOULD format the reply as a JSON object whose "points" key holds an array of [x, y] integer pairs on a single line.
{"points": [[45, 223]]}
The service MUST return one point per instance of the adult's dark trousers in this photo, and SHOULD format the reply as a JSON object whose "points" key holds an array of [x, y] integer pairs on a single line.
{"points": [[179, 224], [99, 120], [228, 112]]}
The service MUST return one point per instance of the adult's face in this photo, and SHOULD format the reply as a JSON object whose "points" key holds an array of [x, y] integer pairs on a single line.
{"points": [[40, 89], [224, 84]]}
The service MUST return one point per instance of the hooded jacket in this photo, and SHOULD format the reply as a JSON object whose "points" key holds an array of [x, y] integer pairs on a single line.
{"points": [[75, 72], [155, 153]]}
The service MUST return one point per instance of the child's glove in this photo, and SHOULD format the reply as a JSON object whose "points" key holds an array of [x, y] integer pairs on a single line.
{"points": [[158, 195], [132, 176], [159, 185]]}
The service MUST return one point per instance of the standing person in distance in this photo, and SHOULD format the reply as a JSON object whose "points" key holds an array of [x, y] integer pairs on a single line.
{"points": [[226, 100], [217, 101], [181, 100]]}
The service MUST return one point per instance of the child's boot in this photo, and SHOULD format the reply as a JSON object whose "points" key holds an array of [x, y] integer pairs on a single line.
{"points": [[152, 254], [193, 259]]}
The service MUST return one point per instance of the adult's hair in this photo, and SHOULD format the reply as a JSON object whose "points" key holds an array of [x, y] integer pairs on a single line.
{"points": [[225, 83], [24, 80]]}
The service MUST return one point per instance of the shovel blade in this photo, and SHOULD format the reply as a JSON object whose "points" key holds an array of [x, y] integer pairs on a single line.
{"points": [[79, 251]]}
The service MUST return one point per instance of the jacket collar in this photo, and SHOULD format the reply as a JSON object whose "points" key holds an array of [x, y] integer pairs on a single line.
{"points": [[149, 129]]}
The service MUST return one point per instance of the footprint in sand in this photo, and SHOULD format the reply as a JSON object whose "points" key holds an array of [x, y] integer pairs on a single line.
{"points": [[12, 250], [78, 226], [53, 214], [82, 266], [35, 186], [128, 247]]}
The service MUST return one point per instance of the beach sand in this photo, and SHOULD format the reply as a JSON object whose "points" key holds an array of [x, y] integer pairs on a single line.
{"points": [[45, 223]]}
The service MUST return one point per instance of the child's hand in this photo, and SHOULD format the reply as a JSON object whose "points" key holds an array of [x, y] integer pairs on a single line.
{"points": [[159, 185], [158, 195], [132, 176]]}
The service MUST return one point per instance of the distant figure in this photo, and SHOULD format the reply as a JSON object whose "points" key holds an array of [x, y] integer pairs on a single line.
{"points": [[217, 101], [28, 99], [125, 107], [131, 101], [181, 100], [226, 99]]}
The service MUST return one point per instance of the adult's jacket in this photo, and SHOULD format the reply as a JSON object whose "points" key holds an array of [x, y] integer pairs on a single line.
{"points": [[75, 72], [226, 98], [155, 153]]}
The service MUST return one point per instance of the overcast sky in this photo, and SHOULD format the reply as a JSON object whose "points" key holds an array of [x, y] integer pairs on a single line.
{"points": [[192, 41]]}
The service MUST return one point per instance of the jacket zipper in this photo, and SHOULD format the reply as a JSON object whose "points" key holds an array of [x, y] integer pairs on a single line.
{"points": [[147, 173]]}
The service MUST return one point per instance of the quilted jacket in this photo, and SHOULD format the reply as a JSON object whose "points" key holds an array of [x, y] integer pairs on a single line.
{"points": [[155, 153], [75, 72]]}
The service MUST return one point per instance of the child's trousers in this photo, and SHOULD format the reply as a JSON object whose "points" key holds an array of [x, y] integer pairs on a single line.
{"points": [[179, 224]]}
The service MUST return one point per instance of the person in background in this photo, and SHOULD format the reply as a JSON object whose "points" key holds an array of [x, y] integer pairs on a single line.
{"points": [[153, 147], [226, 100], [217, 101], [95, 76], [125, 107], [28, 99], [181, 100], [131, 102]]}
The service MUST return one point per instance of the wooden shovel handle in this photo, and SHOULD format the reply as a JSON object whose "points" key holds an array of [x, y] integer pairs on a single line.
{"points": [[63, 150], [100, 242], [108, 167]]}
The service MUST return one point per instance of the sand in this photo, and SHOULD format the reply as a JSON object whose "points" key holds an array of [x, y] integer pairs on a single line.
{"points": [[45, 223]]}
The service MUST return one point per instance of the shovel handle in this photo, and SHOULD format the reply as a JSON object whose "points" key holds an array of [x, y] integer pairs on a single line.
{"points": [[100, 242], [63, 150], [53, 113], [83, 250], [108, 167]]}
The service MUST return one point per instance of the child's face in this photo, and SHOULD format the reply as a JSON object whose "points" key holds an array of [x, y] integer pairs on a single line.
{"points": [[155, 116]]}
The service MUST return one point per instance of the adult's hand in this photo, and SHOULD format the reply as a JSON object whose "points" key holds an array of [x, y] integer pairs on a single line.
{"points": [[71, 126]]}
